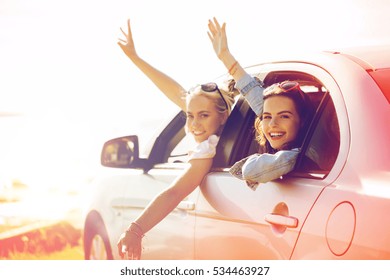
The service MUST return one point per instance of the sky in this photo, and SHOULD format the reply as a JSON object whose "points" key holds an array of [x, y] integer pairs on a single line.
{"points": [[62, 70]]}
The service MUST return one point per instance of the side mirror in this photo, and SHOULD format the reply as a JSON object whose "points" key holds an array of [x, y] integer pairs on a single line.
{"points": [[121, 152]]}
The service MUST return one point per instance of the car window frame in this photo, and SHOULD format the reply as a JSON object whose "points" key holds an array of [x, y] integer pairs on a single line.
{"points": [[233, 137], [333, 90], [300, 170]]}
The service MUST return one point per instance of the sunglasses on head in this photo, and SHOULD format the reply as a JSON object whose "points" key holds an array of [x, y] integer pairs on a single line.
{"points": [[289, 85], [211, 87], [286, 86]]}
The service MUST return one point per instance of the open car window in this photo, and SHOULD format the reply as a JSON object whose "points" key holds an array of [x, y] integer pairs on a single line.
{"points": [[180, 152], [321, 145], [321, 149], [238, 139]]}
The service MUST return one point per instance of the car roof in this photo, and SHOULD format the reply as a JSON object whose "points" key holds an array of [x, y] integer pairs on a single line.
{"points": [[369, 57], [374, 59]]}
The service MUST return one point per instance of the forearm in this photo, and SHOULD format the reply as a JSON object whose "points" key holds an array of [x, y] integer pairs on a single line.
{"points": [[158, 209], [252, 90], [249, 87], [232, 65], [167, 200], [263, 168], [171, 89]]}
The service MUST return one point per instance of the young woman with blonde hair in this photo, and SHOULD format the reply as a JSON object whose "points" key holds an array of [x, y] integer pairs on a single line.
{"points": [[207, 107]]}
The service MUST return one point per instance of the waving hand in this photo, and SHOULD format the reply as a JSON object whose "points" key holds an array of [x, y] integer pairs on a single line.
{"points": [[127, 45], [172, 89], [218, 38], [217, 35]]}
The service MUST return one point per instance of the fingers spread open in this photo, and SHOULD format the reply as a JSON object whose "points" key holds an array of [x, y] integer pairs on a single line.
{"points": [[218, 27]]}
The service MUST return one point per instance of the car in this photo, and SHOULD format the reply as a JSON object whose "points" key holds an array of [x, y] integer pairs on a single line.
{"points": [[335, 209]]}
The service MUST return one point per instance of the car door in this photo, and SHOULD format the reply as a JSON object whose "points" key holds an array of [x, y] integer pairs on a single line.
{"points": [[234, 222], [172, 238], [349, 220]]}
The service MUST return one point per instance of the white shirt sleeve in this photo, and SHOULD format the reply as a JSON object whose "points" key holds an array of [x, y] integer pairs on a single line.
{"points": [[205, 149]]}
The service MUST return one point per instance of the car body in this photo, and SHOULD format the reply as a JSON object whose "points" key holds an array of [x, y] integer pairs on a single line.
{"points": [[337, 210]]}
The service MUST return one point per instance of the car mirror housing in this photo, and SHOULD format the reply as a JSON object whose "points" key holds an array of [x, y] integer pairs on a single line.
{"points": [[122, 152]]}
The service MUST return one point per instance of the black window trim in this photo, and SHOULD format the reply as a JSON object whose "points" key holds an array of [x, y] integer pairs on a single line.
{"points": [[304, 174]]}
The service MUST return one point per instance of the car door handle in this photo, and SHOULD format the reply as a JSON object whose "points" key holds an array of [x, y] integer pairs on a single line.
{"points": [[281, 220], [186, 205]]}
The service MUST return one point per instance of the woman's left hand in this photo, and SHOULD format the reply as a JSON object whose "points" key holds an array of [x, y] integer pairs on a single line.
{"points": [[217, 35]]}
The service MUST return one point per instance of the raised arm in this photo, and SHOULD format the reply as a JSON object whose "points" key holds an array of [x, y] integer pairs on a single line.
{"points": [[250, 88], [218, 38], [173, 90]]}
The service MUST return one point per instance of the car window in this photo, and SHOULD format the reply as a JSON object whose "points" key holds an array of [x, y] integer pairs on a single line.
{"points": [[321, 146], [321, 150], [180, 152]]}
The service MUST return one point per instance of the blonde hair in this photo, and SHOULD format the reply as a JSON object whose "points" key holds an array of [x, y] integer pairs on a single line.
{"points": [[227, 90]]}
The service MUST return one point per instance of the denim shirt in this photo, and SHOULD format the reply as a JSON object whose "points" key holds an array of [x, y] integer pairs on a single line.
{"points": [[253, 93], [261, 168]]}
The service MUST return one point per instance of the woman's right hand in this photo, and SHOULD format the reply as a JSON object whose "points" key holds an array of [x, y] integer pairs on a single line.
{"points": [[127, 45], [130, 244]]}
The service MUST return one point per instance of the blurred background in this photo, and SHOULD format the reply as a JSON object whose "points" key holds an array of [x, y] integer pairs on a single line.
{"points": [[66, 87]]}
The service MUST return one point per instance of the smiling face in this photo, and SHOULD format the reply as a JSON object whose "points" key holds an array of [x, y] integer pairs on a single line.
{"points": [[203, 119], [281, 121]]}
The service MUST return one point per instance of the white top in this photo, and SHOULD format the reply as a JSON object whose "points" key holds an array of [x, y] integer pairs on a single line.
{"points": [[205, 149]]}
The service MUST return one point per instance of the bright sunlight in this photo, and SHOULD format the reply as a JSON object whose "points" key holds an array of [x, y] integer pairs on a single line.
{"points": [[66, 87]]}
